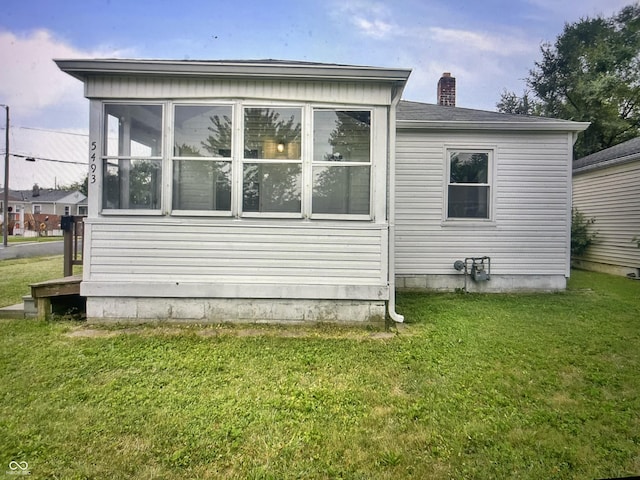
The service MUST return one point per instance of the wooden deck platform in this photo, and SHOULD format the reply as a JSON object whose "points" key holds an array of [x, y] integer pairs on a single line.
{"points": [[44, 292]]}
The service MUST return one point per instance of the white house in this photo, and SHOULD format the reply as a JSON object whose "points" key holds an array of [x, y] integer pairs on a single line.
{"points": [[268, 190], [606, 187], [474, 184]]}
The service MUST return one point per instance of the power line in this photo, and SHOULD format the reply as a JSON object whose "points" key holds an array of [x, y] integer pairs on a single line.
{"points": [[33, 158]]}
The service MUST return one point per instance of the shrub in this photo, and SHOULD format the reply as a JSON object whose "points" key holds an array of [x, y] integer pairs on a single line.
{"points": [[581, 237]]}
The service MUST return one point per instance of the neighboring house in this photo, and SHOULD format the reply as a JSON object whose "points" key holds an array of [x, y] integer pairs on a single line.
{"points": [[268, 190], [29, 209], [606, 187]]}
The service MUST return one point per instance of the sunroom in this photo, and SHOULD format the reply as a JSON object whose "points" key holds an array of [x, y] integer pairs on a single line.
{"points": [[222, 191]]}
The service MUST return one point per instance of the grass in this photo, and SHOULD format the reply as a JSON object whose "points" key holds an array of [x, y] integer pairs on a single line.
{"points": [[16, 275], [20, 239], [494, 386]]}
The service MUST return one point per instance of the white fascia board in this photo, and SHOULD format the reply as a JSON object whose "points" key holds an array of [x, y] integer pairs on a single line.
{"points": [[81, 69], [565, 126]]}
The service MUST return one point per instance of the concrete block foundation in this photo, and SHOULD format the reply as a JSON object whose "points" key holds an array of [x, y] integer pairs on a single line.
{"points": [[497, 283], [217, 310]]}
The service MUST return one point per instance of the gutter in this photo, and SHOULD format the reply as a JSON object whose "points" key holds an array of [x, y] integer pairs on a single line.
{"points": [[82, 69], [391, 306], [509, 125]]}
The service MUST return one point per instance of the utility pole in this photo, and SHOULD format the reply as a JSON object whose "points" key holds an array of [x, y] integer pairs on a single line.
{"points": [[5, 210]]}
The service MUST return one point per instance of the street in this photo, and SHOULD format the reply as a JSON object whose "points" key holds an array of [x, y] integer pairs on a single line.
{"points": [[35, 249]]}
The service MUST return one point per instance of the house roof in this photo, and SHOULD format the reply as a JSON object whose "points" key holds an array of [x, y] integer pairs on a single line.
{"points": [[425, 115], [625, 152], [48, 195], [52, 151], [267, 68]]}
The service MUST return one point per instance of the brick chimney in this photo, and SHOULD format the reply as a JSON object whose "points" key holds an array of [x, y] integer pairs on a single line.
{"points": [[447, 90]]}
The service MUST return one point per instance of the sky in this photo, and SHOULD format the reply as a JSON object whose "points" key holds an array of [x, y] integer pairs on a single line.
{"points": [[487, 45]]}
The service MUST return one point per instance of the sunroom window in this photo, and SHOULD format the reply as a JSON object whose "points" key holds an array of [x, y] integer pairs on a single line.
{"points": [[272, 163], [341, 162], [202, 157], [132, 157], [469, 189]]}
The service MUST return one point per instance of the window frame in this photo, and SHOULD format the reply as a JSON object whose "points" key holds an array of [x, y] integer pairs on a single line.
{"points": [[492, 152], [324, 163], [167, 158], [173, 158], [105, 158], [242, 160]]}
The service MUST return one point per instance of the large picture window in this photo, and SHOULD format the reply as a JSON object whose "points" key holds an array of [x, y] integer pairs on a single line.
{"points": [[202, 156], [469, 189], [234, 158], [132, 157], [341, 162], [272, 166]]}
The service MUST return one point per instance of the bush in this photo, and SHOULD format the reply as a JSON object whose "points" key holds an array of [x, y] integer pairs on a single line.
{"points": [[581, 237]]}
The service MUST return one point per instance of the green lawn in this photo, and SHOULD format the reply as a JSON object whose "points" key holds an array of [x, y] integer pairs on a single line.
{"points": [[495, 386], [20, 239], [16, 275]]}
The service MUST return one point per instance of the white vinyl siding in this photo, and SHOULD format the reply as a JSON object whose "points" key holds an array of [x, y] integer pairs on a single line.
{"points": [[254, 258], [189, 255], [529, 234], [611, 196], [352, 93]]}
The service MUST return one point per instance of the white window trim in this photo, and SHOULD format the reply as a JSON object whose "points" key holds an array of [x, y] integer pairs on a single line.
{"points": [[168, 193], [492, 149], [370, 164], [105, 158], [33, 209], [239, 213], [237, 160]]}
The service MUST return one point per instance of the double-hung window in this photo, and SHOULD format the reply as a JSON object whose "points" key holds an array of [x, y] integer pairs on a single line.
{"points": [[132, 157], [202, 158], [469, 187], [341, 162], [272, 160]]}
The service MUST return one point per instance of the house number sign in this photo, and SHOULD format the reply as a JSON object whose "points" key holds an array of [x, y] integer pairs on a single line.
{"points": [[93, 162]]}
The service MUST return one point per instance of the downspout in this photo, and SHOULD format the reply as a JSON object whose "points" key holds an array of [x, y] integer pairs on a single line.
{"points": [[395, 316]]}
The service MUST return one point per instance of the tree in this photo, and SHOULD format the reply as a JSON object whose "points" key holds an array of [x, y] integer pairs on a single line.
{"points": [[524, 105], [592, 74], [581, 235], [82, 187]]}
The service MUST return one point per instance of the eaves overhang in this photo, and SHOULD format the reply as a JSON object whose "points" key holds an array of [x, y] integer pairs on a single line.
{"points": [[607, 163], [268, 69], [542, 126]]}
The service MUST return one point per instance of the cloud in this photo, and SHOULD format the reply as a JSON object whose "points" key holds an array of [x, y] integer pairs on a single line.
{"points": [[373, 28], [369, 18], [483, 61], [498, 44], [31, 83]]}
